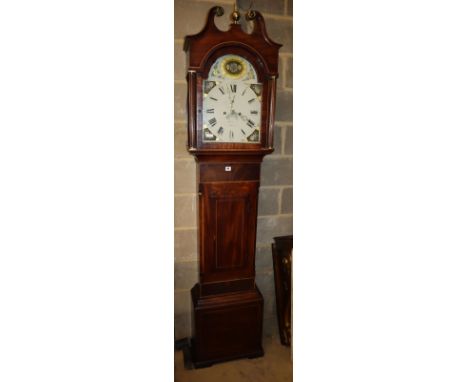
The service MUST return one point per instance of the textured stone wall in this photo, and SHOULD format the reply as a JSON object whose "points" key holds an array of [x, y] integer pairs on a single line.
{"points": [[275, 198]]}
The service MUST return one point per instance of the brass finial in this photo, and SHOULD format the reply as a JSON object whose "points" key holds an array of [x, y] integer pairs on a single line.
{"points": [[219, 11], [250, 15], [235, 15]]}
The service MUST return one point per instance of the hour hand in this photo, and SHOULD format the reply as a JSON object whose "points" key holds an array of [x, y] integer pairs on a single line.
{"points": [[243, 117]]}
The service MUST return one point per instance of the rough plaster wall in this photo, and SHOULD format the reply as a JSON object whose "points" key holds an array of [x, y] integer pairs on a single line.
{"points": [[275, 198]]}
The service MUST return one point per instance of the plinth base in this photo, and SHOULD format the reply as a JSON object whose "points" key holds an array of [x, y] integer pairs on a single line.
{"points": [[226, 326]]}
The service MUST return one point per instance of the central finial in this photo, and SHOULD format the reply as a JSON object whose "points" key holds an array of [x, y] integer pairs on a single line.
{"points": [[235, 15]]}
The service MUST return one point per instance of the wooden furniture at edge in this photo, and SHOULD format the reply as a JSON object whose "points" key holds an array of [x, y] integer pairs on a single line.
{"points": [[282, 267]]}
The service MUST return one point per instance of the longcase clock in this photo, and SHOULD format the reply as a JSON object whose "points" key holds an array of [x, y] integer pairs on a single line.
{"points": [[231, 77]]}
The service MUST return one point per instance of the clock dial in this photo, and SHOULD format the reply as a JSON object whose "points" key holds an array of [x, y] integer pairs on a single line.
{"points": [[232, 102]]}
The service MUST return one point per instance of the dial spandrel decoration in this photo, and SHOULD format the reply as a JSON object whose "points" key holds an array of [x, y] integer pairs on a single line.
{"points": [[232, 102]]}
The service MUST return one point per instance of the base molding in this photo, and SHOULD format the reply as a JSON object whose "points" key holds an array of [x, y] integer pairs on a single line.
{"points": [[226, 326], [208, 363]]}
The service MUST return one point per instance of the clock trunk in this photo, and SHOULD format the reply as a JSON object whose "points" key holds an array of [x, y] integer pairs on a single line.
{"points": [[228, 308]]}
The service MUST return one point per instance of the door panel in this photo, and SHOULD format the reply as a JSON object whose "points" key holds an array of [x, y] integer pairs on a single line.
{"points": [[228, 228]]}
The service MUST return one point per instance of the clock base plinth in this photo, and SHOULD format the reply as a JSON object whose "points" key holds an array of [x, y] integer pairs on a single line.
{"points": [[226, 326]]}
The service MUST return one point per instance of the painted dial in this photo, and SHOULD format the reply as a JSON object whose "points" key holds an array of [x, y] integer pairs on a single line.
{"points": [[232, 102]]}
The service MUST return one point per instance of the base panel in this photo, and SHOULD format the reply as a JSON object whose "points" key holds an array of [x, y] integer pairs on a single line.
{"points": [[226, 327]]}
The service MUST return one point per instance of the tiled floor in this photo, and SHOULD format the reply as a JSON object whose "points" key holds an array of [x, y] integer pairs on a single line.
{"points": [[275, 366]]}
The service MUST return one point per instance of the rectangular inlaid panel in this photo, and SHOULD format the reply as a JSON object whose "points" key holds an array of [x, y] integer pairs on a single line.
{"points": [[230, 226]]}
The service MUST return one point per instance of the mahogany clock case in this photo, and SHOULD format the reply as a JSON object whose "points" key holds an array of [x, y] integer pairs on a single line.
{"points": [[227, 306]]}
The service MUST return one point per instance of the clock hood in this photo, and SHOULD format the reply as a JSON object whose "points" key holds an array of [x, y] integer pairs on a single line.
{"points": [[201, 46]]}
